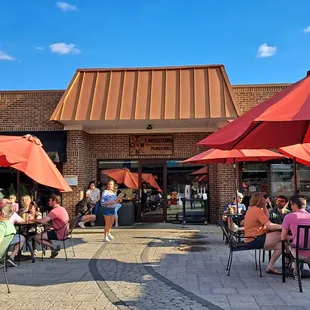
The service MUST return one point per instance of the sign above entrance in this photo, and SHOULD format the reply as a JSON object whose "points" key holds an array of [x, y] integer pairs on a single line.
{"points": [[142, 145]]}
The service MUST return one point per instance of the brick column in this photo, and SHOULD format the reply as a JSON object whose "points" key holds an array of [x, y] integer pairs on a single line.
{"points": [[77, 164]]}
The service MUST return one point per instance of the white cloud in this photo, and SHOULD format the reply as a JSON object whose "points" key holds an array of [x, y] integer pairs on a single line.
{"points": [[64, 49], [265, 50], [39, 48], [64, 6], [5, 56], [307, 29]]}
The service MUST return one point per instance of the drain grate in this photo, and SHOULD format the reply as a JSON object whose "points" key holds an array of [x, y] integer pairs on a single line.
{"points": [[186, 248]]}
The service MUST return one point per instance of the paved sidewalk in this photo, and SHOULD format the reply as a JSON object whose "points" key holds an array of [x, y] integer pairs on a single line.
{"points": [[143, 268]]}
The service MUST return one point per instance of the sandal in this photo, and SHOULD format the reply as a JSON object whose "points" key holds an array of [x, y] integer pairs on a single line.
{"points": [[273, 271]]}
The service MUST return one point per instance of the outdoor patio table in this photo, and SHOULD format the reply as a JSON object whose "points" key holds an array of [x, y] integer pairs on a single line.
{"points": [[24, 229], [230, 218], [191, 200]]}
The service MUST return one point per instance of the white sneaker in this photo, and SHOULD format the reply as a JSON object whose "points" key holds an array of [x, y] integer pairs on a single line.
{"points": [[82, 225], [110, 237], [106, 239]]}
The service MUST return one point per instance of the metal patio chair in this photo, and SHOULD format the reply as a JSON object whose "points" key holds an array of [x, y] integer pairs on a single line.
{"points": [[301, 245], [69, 225], [3, 257], [235, 245]]}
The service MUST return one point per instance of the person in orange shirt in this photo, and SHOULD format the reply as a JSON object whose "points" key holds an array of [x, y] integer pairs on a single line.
{"points": [[256, 225]]}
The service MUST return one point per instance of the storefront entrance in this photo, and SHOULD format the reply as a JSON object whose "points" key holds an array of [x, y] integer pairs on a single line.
{"points": [[153, 203]]}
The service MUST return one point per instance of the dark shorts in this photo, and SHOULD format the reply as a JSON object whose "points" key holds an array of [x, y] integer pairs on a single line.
{"points": [[52, 235], [80, 218], [257, 243], [108, 211]]}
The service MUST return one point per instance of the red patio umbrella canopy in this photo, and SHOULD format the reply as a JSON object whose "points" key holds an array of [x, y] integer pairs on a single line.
{"points": [[279, 121], [38, 166], [122, 176], [130, 179], [219, 156], [201, 171], [299, 152], [9, 158]]}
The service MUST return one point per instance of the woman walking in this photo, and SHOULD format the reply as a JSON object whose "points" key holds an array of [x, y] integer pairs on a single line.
{"points": [[108, 203]]}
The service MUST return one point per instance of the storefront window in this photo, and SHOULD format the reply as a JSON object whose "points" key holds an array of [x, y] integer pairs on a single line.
{"points": [[282, 180], [254, 178], [178, 176]]}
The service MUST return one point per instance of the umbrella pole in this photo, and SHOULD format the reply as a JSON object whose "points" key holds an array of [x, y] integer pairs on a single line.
{"points": [[295, 175], [18, 186], [236, 186]]}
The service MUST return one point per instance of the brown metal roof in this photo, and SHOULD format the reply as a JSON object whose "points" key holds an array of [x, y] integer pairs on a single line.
{"points": [[170, 93]]}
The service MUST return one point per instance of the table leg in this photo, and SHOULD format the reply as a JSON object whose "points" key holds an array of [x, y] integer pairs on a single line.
{"points": [[184, 212], [30, 248], [283, 261]]}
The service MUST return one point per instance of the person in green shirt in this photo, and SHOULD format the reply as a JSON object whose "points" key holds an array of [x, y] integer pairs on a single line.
{"points": [[7, 229], [277, 214]]}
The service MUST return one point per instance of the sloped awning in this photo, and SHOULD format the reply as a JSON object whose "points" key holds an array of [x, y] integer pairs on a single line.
{"points": [[131, 98]]}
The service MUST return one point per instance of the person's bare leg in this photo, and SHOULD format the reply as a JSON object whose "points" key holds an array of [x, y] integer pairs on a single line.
{"points": [[88, 218], [18, 247], [112, 217], [106, 219], [273, 242], [44, 240]]}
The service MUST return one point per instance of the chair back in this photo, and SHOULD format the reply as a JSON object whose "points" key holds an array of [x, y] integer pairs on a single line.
{"points": [[73, 222], [5, 245], [302, 243], [230, 236]]}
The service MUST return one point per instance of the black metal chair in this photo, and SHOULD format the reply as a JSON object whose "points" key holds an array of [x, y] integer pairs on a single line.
{"points": [[301, 245], [3, 257], [67, 234], [237, 246]]}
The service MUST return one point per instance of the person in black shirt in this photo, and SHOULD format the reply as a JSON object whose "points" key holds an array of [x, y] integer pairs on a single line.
{"points": [[277, 214]]}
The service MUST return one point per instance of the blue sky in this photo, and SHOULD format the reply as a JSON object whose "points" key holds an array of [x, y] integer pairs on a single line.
{"points": [[43, 42]]}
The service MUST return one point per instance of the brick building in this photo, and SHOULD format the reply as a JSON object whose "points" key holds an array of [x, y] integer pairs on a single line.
{"points": [[102, 109]]}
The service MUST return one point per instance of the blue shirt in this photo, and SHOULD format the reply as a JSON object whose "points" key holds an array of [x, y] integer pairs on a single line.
{"points": [[106, 197]]}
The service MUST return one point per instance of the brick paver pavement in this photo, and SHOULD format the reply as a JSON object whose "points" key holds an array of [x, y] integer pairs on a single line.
{"points": [[144, 269]]}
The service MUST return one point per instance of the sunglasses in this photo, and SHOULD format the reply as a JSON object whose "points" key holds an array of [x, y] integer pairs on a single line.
{"points": [[281, 201]]}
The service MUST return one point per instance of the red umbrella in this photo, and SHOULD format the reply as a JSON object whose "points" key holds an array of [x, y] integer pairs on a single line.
{"points": [[122, 176], [201, 171], [214, 156], [38, 166], [149, 178], [299, 152], [9, 158], [279, 121]]}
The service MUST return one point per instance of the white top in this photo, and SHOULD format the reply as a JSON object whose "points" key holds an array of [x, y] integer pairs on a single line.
{"points": [[94, 195], [15, 218]]}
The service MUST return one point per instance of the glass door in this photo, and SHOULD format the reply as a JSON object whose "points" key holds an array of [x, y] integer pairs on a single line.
{"points": [[152, 200]]}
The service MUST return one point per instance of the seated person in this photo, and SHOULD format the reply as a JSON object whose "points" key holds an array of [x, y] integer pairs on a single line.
{"points": [[84, 212], [60, 225], [256, 223], [277, 214], [12, 199], [299, 216], [268, 202], [18, 240], [6, 229], [237, 200]]}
